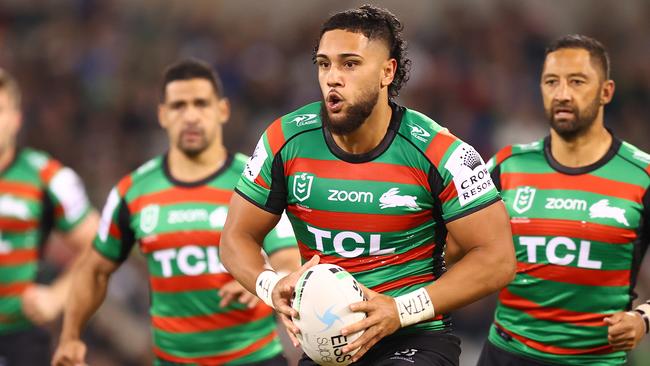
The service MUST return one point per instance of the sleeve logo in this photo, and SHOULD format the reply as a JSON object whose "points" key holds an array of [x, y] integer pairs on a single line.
{"points": [[470, 175], [256, 161]]}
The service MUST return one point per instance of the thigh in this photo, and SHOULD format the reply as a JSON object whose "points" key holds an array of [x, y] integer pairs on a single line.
{"points": [[28, 347], [492, 355]]}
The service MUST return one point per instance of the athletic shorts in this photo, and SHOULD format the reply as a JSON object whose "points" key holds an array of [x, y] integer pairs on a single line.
{"points": [[492, 355], [278, 360], [26, 347], [417, 349]]}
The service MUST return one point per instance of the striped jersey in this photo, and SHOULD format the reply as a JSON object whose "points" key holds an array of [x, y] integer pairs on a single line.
{"points": [[380, 215], [177, 227], [37, 194], [579, 235]]}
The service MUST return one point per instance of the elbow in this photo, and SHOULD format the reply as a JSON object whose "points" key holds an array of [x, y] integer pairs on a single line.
{"points": [[507, 268]]}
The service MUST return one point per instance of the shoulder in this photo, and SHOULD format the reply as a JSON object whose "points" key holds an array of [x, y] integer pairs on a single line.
{"points": [[45, 166], [432, 139], [139, 176], [287, 127], [635, 156], [515, 151]]}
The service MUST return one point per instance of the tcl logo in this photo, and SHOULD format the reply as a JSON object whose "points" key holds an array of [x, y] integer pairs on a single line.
{"points": [[571, 252], [191, 260], [349, 237]]}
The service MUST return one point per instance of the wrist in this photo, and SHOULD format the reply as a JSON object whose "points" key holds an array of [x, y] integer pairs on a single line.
{"points": [[644, 311], [414, 307], [265, 283]]}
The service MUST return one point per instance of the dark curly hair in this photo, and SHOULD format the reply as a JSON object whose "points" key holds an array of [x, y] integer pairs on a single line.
{"points": [[374, 23]]}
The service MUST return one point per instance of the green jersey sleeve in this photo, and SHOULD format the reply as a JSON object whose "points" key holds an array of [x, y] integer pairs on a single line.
{"points": [[69, 199], [114, 238]]}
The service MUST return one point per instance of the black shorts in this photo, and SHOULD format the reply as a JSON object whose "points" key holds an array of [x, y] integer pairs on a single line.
{"points": [[417, 349], [26, 347], [278, 360], [495, 356]]}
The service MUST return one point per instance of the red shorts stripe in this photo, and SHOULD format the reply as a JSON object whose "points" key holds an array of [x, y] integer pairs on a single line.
{"points": [[355, 265], [21, 190], [205, 323], [17, 225], [557, 350], [573, 229], [190, 283], [551, 314], [357, 222], [370, 171], [574, 275], [18, 256], [14, 289], [220, 359], [439, 146], [275, 136], [177, 195], [583, 182], [180, 239]]}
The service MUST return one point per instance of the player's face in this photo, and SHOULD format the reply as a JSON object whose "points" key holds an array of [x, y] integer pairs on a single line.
{"points": [[9, 120], [574, 91], [193, 115], [352, 71]]}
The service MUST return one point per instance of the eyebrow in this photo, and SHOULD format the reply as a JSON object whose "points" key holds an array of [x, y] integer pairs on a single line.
{"points": [[340, 55], [573, 74]]}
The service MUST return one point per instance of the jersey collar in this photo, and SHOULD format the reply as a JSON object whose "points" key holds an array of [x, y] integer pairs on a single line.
{"points": [[611, 152], [165, 165]]}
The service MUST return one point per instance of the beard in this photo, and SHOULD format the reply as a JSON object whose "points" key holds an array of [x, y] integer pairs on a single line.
{"points": [[579, 125], [193, 149], [349, 121]]}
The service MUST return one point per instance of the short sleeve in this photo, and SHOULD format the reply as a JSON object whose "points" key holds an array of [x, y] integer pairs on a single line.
{"points": [[69, 199], [281, 237], [114, 238]]}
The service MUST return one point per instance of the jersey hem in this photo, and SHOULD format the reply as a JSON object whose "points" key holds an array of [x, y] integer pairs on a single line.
{"points": [[475, 209], [267, 209]]}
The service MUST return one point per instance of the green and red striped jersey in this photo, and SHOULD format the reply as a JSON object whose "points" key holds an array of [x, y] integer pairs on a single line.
{"points": [[37, 194], [380, 215], [177, 227], [579, 235]]}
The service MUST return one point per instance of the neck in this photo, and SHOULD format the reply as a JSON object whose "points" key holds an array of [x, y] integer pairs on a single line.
{"points": [[191, 169], [6, 156], [369, 134], [584, 150]]}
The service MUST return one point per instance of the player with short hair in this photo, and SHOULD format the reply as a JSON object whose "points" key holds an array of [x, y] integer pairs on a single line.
{"points": [[174, 207], [37, 195], [373, 187], [579, 202]]}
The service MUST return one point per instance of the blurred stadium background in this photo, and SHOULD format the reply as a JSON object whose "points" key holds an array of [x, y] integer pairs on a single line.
{"points": [[90, 70]]}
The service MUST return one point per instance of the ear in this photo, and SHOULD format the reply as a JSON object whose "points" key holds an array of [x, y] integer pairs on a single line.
{"points": [[223, 105], [162, 115], [388, 72], [607, 91]]}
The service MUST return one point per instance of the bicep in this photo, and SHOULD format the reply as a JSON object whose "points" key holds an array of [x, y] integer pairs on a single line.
{"points": [[488, 227], [246, 218]]}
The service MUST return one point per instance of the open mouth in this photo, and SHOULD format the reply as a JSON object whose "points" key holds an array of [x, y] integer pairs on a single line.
{"points": [[334, 102], [563, 112]]}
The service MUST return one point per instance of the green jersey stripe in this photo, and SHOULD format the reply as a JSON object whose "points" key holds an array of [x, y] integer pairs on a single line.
{"points": [[575, 275], [603, 349], [181, 195], [176, 239], [572, 228], [203, 323], [181, 283]]}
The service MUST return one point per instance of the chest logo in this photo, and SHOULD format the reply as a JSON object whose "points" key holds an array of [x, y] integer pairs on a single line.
{"points": [[302, 186], [524, 199], [602, 210], [149, 218], [392, 198], [13, 207]]}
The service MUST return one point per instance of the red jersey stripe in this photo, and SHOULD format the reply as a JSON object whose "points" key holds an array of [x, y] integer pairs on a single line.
{"points": [[502, 155], [572, 228], [261, 182], [22, 190], [179, 239], [370, 171], [576, 276], [14, 289], [217, 360], [403, 282], [18, 256], [354, 265], [114, 231], [449, 193], [557, 350], [177, 195], [360, 222], [551, 314], [124, 185], [584, 182], [439, 146], [190, 283], [7, 224], [49, 170], [205, 323], [275, 136]]}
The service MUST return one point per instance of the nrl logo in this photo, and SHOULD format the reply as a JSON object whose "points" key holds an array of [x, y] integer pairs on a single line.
{"points": [[149, 218], [391, 198], [304, 119], [523, 199], [302, 186]]}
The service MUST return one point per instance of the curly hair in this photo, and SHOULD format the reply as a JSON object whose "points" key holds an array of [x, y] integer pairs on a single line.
{"points": [[375, 23]]}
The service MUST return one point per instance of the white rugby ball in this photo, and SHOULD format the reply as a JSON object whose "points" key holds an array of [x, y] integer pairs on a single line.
{"points": [[322, 299]]}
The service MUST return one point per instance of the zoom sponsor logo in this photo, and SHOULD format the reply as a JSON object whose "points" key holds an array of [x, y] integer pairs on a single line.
{"points": [[339, 195], [565, 204]]}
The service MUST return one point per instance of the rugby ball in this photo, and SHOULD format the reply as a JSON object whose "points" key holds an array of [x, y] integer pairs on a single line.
{"points": [[322, 299]]}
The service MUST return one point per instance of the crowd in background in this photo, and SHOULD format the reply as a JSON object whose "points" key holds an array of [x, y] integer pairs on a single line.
{"points": [[90, 73]]}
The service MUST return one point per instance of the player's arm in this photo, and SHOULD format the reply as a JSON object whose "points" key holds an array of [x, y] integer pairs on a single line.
{"points": [[240, 252], [89, 280]]}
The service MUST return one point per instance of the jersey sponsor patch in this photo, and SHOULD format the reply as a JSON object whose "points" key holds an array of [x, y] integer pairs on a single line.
{"points": [[69, 190], [470, 175], [256, 161]]}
